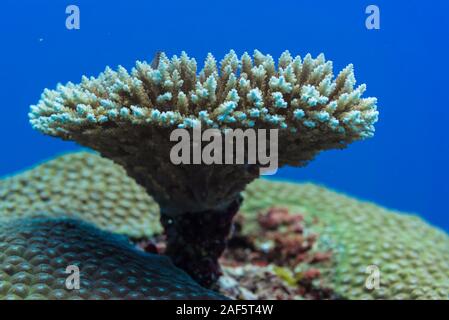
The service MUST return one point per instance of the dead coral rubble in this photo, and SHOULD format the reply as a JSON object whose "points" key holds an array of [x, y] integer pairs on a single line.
{"points": [[278, 261]]}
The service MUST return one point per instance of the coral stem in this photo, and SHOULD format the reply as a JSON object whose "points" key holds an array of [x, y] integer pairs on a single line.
{"points": [[195, 240]]}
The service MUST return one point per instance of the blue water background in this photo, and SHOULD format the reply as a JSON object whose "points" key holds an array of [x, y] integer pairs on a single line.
{"points": [[405, 64]]}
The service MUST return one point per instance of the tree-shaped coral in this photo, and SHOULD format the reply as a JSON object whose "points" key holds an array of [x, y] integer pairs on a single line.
{"points": [[128, 117]]}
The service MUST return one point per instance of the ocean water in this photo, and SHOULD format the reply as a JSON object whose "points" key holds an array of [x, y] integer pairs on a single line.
{"points": [[404, 63]]}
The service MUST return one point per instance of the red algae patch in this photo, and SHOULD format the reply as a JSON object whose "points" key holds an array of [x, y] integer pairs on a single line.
{"points": [[276, 261]]}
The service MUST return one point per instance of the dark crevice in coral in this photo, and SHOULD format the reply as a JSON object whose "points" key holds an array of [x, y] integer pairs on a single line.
{"points": [[195, 240]]}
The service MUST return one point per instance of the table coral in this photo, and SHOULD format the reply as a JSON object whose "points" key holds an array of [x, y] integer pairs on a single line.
{"points": [[128, 117], [413, 257], [35, 252]]}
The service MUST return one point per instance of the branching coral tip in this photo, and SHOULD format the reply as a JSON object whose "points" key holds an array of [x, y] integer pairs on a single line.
{"points": [[128, 118]]}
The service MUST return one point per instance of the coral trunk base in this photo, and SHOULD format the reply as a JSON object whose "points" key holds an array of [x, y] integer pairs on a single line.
{"points": [[195, 240]]}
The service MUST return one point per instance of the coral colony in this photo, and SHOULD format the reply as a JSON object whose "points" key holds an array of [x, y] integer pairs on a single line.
{"points": [[129, 116], [290, 241], [35, 254]]}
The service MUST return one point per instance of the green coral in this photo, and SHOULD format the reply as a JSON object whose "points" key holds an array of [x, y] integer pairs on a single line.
{"points": [[413, 257], [129, 116], [85, 186], [35, 252]]}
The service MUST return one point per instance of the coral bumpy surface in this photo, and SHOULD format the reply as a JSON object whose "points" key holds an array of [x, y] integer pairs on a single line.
{"points": [[34, 255], [413, 257], [83, 186], [128, 117]]}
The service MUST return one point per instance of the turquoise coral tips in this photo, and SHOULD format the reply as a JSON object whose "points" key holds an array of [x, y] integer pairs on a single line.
{"points": [[294, 95]]}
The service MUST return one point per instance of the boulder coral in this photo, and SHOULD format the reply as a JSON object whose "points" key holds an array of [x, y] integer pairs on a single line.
{"points": [[412, 256], [83, 186], [128, 117], [36, 252]]}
